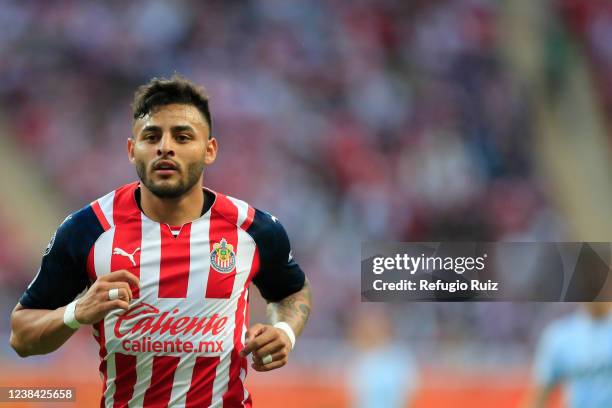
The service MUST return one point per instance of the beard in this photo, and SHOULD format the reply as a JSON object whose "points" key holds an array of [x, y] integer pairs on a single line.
{"points": [[166, 188]]}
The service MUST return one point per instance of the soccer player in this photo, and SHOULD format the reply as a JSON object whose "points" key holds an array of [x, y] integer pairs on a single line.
{"points": [[383, 373], [576, 351], [161, 269]]}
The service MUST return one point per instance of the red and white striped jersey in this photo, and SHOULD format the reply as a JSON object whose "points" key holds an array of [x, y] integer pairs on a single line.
{"points": [[178, 345]]}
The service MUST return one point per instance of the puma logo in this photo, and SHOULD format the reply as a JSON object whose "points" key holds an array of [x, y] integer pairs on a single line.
{"points": [[119, 251]]}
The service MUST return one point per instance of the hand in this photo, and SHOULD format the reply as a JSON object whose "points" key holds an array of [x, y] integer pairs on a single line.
{"points": [[95, 304], [262, 340]]}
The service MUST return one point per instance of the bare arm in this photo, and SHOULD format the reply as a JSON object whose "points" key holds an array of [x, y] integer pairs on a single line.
{"points": [[266, 340], [41, 331], [38, 331], [294, 309]]}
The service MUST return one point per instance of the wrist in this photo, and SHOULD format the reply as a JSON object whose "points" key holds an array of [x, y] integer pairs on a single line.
{"points": [[284, 326], [69, 315]]}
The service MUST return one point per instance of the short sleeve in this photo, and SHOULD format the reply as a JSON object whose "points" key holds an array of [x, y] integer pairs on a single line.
{"points": [[63, 274], [279, 274]]}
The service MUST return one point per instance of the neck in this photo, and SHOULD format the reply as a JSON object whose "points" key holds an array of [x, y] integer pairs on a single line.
{"points": [[173, 211], [599, 310]]}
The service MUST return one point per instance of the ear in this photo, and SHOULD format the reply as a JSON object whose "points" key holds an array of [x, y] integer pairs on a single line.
{"points": [[211, 151], [130, 149]]}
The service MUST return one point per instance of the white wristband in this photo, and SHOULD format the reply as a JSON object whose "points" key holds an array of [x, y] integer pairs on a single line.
{"points": [[288, 330], [69, 318]]}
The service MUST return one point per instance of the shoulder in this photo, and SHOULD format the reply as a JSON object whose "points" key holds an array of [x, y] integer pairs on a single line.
{"points": [[116, 205], [567, 323], [242, 214], [266, 225], [78, 222], [233, 210], [82, 228], [63, 270], [270, 237], [77, 228], [81, 218], [265, 229], [561, 332]]}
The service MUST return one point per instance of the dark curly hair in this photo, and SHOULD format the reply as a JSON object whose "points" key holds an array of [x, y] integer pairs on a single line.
{"points": [[161, 91]]}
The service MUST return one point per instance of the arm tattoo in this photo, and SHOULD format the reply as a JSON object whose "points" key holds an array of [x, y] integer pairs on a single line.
{"points": [[294, 309]]}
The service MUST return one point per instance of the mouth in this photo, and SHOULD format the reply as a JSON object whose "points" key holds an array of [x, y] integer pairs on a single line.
{"points": [[165, 167]]}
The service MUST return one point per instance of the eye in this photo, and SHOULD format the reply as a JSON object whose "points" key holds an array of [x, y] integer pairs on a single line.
{"points": [[183, 137], [149, 137]]}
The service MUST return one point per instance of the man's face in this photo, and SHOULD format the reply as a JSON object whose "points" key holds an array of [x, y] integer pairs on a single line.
{"points": [[169, 148]]}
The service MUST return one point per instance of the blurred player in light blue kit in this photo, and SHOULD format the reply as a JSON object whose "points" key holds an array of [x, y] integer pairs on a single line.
{"points": [[576, 352], [383, 373]]}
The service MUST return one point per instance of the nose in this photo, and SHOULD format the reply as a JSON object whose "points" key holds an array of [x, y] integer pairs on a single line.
{"points": [[165, 146]]}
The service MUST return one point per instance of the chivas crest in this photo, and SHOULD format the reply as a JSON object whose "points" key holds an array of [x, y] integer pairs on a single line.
{"points": [[222, 257]]}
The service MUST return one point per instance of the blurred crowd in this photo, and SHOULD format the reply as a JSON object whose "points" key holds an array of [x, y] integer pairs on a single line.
{"points": [[348, 120], [590, 23]]}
